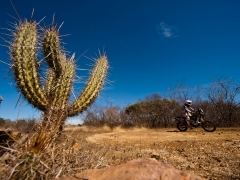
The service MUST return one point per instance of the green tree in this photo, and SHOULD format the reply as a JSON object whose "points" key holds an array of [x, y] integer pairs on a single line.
{"points": [[154, 111]]}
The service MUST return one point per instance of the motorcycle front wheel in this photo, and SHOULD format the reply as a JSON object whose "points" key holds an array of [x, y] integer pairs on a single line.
{"points": [[182, 126], [208, 126]]}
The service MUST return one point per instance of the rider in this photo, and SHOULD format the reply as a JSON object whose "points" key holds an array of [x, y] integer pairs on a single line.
{"points": [[187, 111]]}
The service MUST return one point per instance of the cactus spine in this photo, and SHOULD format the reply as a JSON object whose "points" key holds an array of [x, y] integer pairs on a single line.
{"points": [[53, 96]]}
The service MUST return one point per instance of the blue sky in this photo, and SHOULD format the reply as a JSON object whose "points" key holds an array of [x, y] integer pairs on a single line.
{"points": [[150, 44]]}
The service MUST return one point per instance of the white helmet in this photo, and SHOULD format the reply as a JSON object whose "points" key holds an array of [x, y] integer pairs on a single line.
{"points": [[188, 102]]}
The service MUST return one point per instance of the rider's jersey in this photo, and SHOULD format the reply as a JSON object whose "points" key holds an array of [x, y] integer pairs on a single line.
{"points": [[187, 109]]}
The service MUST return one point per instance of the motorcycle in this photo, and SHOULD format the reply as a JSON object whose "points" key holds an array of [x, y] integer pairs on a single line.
{"points": [[195, 121]]}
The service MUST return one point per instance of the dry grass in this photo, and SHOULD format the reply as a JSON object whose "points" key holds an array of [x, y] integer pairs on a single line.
{"points": [[211, 155]]}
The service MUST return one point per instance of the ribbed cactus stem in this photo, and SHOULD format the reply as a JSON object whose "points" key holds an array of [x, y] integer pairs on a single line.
{"points": [[61, 92], [92, 89], [23, 51], [53, 96], [52, 50]]}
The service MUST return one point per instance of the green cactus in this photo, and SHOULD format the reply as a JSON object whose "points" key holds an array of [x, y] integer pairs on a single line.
{"points": [[52, 97]]}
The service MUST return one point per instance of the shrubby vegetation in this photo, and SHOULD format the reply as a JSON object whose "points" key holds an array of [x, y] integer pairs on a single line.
{"points": [[220, 102], [21, 125]]}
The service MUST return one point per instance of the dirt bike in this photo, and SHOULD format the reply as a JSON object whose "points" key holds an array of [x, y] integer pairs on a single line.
{"points": [[195, 121]]}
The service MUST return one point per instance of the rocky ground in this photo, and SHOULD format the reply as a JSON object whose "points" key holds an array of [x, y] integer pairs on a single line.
{"points": [[210, 155]]}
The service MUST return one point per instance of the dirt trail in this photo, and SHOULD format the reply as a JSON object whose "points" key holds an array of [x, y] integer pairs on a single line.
{"points": [[161, 135], [213, 155]]}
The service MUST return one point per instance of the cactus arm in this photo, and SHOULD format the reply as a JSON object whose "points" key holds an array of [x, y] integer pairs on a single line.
{"points": [[68, 79], [61, 93], [61, 75], [92, 89], [49, 84], [23, 52], [52, 52]]}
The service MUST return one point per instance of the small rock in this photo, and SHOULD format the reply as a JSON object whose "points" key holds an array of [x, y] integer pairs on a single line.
{"points": [[237, 156], [217, 159], [222, 165], [192, 166]]}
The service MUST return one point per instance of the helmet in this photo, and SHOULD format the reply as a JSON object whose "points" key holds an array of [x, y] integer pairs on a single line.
{"points": [[188, 102]]}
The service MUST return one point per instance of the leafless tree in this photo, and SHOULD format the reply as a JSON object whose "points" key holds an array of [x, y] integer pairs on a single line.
{"points": [[183, 92], [94, 116], [112, 116], [223, 96], [98, 115]]}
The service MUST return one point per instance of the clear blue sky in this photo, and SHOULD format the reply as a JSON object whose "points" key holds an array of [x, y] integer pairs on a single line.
{"points": [[151, 44]]}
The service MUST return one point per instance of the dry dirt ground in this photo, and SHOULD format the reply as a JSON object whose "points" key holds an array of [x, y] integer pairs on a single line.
{"points": [[213, 155]]}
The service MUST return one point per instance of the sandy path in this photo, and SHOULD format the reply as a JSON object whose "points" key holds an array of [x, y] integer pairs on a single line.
{"points": [[160, 135]]}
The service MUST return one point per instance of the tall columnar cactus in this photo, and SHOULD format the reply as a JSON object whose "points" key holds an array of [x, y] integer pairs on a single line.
{"points": [[52, 97]]}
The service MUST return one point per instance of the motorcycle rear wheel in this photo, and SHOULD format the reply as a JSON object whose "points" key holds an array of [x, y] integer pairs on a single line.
{"points": [[208, 126], [182, 126]]}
